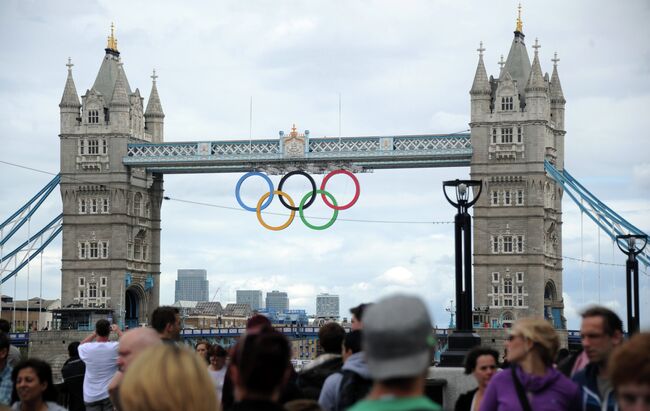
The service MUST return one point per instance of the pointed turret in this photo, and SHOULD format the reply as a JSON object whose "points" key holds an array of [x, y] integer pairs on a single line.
{"points": [[518, 62], [119, 104], [107, 75], [536, 79], [481, 89], [154, 116], [537, 101], [69, 104], [557, 97], [481, 85]]}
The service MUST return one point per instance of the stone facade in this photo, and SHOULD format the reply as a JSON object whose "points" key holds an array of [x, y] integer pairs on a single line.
{"points": [[517, 122], [111, 213]]}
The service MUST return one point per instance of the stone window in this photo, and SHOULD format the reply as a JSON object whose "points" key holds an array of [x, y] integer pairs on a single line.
{"points": [[507, 244], [507, 286], [103, 245], [495, 301], [83, 250], [520, 277], [520, 289], [103, 293], [494, 198], [92, 291], [507, 103], [82, 281], [93, 116], [105, 205], [83, 208], [495, 244], [137, 204], [82, 146], [93, 147], [103, 281], [520, 197], [495, 289], [520, 302], [520, 243], [507, 301], [495, 276], [506, 198], [93, 206], [494, 135], [94, 250], [520, 135], [104, 147], [81, 293], [506, 135]]}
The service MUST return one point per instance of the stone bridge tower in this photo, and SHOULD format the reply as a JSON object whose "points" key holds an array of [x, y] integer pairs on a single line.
{"points": [[517, 122], [111, 213]]}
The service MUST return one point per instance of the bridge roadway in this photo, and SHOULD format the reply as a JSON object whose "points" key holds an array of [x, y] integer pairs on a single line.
{"points": [[294, 151]]}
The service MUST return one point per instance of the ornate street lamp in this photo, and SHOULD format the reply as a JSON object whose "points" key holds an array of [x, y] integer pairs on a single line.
{"points": [[463, 338], [635, 243]]}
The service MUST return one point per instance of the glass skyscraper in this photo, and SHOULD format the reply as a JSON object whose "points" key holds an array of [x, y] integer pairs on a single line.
{"points": [[192, 285]]}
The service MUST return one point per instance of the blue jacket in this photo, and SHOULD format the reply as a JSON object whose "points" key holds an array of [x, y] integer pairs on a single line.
{"points": [[329, 395], [591, 399]]}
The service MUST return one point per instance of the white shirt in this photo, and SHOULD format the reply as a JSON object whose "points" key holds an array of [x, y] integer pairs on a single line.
{"points": [[101, 365], [218, 377]]}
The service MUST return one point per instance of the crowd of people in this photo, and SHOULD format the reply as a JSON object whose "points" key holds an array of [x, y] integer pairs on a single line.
{"points": [[382, 364]]}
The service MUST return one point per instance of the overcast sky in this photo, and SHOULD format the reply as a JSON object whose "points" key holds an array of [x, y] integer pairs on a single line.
{"points": [[401, 67]]}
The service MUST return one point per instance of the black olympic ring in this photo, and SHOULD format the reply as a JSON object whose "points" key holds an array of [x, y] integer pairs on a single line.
{"points": [[313, 189]]}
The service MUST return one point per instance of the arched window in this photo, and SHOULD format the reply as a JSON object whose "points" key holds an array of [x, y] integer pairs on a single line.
{"points": [[549, 291], [507, 316]]}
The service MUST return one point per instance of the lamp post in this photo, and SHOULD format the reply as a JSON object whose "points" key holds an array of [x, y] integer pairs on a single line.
{"points": [[635, 244], [463, 338]]}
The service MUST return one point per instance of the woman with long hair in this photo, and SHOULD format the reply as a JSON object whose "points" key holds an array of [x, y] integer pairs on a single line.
{"points": [[531, 383], [33, 387], [202, 348]]}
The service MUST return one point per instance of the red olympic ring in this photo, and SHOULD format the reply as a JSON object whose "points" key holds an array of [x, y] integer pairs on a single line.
{"points": [[356, 195]]}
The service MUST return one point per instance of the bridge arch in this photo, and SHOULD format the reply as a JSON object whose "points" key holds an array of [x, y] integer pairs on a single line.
{"points": [[135, 306]]}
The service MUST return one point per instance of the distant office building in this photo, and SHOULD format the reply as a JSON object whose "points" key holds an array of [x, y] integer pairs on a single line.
{"points": [[192, 285], [327, 306], [251, 297], [277, 301]]}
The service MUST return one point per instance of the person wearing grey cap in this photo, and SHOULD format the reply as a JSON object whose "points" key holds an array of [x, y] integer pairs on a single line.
{"points": [[398, 342]]}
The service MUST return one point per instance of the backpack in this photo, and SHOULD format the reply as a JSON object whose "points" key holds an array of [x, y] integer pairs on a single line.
{"points": [[353, 388]]}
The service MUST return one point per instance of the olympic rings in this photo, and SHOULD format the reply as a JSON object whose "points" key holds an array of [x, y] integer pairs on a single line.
{"points": [[306, 201], [313, 190], [258, 210], [243, 178], [356, 184], [302, 215]]}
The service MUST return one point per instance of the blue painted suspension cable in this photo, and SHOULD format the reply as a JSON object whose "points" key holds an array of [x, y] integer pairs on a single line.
{"points": [[32, 238], [54, 181], [37, 252]]}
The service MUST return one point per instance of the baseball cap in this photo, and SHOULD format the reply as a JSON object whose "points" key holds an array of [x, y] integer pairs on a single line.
{"points": [[397, 337]]}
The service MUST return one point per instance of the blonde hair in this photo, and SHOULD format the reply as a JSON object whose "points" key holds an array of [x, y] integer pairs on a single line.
{"points": [[167, 378], [542, 334]]}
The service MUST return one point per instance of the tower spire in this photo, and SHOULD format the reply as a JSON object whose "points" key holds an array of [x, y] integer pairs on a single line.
{"points": [[520, 25], [111, 44], [70, 97], [481, 85]]}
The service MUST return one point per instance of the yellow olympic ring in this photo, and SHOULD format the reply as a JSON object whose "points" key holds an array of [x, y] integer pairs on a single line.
{"points": [[259, 211]]}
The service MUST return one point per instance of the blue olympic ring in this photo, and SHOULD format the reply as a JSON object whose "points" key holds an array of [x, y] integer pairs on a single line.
{"points": [[238, 188]]}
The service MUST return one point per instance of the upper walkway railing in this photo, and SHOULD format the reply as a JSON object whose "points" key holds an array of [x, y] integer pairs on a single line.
{"points": [[311, 154]]}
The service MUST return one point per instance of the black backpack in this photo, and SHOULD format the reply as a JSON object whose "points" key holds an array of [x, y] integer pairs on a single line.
{"points": [[353, 388]]}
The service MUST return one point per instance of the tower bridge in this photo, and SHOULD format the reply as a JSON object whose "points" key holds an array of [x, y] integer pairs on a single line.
{"points": [[113, 158]]}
